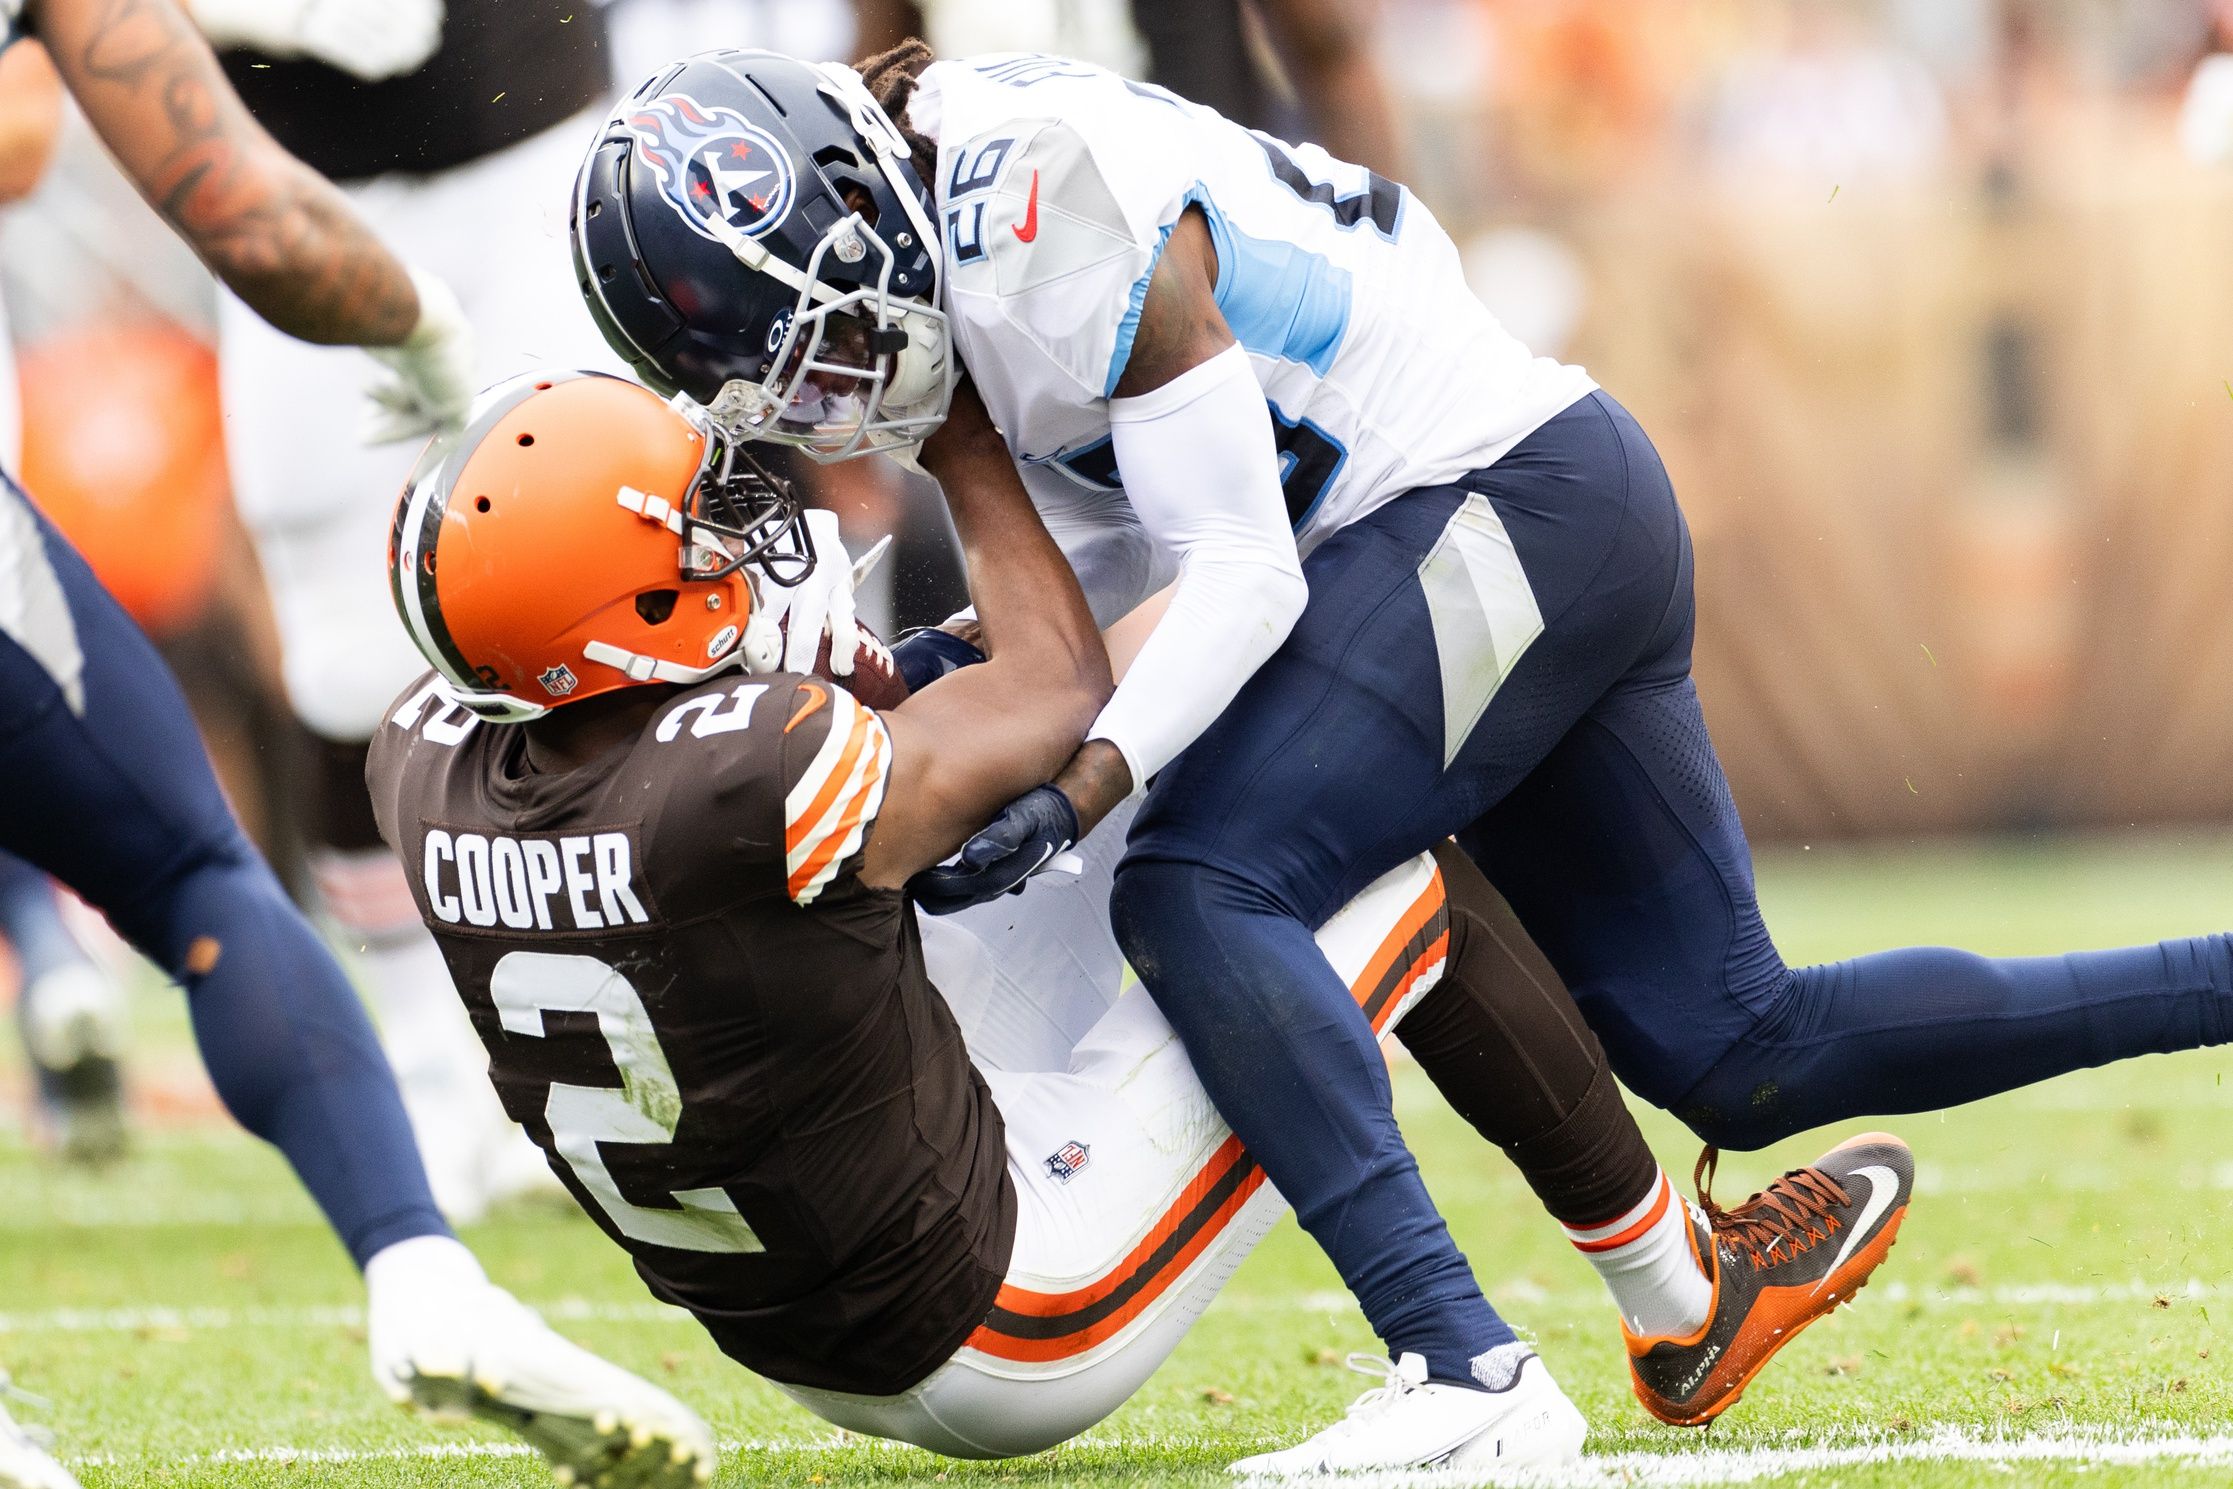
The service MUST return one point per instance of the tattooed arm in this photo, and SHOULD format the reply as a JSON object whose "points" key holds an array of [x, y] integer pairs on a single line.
{"points": [[273, 229]]}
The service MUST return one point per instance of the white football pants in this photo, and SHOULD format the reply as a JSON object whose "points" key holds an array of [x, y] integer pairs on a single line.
{"points": [[1135, 1203]]}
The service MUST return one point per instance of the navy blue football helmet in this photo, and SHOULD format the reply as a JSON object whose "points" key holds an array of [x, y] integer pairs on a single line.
{"points": [[748, 230]]}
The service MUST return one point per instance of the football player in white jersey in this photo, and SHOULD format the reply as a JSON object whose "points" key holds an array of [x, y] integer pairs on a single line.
{"points": [[1427, 585]]}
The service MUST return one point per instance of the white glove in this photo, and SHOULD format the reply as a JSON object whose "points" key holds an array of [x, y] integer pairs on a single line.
{"points": [[2206, 114], [823, 601], [371, 39], [433, 367]]}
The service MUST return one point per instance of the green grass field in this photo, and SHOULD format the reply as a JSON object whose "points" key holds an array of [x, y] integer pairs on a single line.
{"points": [[2046, 1318]]}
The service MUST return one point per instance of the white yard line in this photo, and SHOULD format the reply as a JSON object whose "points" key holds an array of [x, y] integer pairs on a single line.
{"points": [[1517, 1296], [416, 1451], [1680, 1470], [159, 1320], [1631, 1470], [1933, 1179], [1520, 1296]]}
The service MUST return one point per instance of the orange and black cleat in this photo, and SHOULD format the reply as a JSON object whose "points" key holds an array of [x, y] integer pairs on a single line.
{"points": [[1779, 1261]]}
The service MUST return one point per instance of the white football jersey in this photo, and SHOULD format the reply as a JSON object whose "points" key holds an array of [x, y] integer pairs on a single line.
{"points": [[11, 21], [1058, 184]]}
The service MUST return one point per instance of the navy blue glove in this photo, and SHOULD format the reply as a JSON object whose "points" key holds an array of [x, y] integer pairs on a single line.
{"points": [[1029, 831], [927, 655]]}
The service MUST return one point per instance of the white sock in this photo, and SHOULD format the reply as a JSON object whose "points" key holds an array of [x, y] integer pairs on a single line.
{"points": [[438, 1264], [1645, 1258], [425, 1300]]}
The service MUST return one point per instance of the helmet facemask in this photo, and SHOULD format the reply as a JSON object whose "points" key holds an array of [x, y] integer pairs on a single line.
{"points": [[856, 370], [740, 514]]}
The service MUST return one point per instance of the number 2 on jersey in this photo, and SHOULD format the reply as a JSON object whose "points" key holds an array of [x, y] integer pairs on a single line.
{"points": [[647, 1108]]}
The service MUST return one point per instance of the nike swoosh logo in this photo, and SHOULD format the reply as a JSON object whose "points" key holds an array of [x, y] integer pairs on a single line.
{"points": [[1028, 229], [1883, 1185]]}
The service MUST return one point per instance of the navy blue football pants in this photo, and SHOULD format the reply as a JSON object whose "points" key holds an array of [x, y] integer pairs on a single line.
{"points": [[1588, 791], [104, 785]]}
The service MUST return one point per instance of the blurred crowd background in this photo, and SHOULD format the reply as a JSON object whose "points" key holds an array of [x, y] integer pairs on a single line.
{"points": [[1927, 302]]}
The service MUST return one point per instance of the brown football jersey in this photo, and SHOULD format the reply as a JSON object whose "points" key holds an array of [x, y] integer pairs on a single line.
{"points": [[726, 1043]]}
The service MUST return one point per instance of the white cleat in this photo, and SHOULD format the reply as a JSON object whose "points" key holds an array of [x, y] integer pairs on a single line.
{"points": [[75, 1025], [476, 1351], [1410, 1422], [24, 1460]]}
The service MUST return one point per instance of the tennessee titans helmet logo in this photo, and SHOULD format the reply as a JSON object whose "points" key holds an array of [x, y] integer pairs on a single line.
{"points": [[713, 166]]}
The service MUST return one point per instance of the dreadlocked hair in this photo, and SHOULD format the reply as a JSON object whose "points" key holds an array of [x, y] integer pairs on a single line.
{"points": [[891, 78]]}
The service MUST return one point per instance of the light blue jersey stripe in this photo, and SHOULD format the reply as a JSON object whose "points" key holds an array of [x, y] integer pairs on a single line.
{"points": [[1281, 301]]}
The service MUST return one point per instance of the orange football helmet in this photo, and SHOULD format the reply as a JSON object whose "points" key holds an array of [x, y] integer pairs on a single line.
{"points": [[581, 534]]}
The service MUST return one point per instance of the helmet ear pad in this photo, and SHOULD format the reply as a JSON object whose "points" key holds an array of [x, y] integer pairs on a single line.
{"points": [[762, 646], [919, 371]]}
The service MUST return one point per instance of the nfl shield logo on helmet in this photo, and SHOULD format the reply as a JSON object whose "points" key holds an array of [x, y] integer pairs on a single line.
{"points": [[558, 681], [1066, 1160], [713, 167]]}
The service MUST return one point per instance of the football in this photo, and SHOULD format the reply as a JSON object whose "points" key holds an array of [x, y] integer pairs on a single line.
{"points": [[875, 678]]}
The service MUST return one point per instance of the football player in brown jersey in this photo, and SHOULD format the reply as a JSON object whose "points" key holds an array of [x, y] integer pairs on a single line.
{"points": [[945, 1181]]}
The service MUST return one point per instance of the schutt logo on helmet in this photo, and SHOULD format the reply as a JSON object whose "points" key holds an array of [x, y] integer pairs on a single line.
{"points": [[713, 166]]}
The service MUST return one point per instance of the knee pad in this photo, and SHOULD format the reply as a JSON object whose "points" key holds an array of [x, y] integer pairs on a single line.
{"points": [[1738, 1103], [1139, 898]]}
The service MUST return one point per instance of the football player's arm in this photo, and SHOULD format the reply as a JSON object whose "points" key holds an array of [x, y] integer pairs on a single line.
{"points": [[1116, 562], [272, 229], [30, 116], [1193, 437], [1327, 46], [972, 742]]}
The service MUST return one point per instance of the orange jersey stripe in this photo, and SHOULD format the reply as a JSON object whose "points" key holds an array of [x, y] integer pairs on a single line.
{"points": [[1022, 1300], [838, 835], [1435, 951], [1431, 902], [795, 831]]}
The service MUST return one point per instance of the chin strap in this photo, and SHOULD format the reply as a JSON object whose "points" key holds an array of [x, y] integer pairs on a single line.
{"points": [[640, 668]]}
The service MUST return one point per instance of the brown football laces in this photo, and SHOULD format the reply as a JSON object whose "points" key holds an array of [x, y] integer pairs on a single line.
{"points": [[1792, 1213]]}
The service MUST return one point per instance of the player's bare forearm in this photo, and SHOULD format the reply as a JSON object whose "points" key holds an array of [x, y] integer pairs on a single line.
{"points": [[969, 744], [1096, 780], [272, 229], [1032, 613]]}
